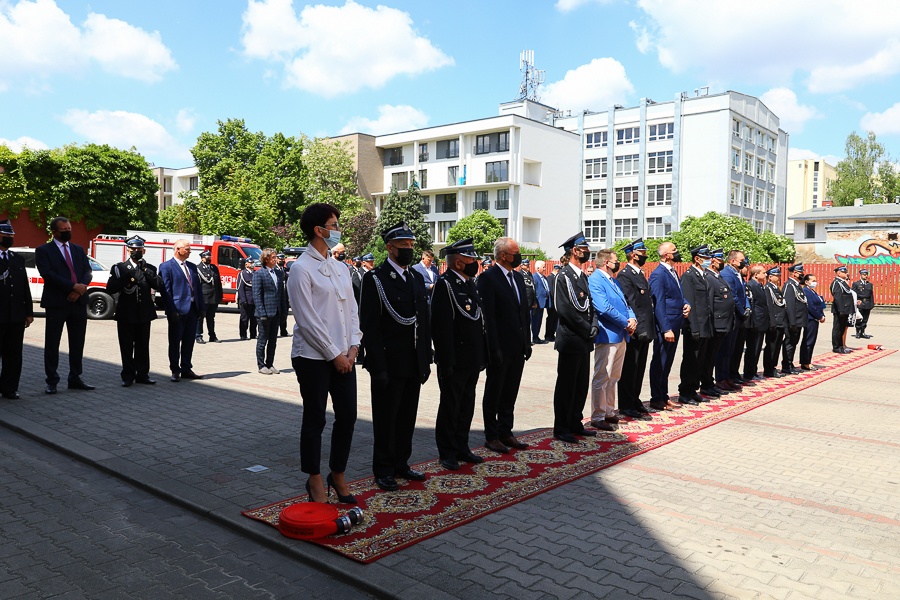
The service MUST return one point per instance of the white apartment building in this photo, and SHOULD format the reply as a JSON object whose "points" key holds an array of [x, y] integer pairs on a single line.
{"points": [[174, 181], [646, 168], [524, 172]]}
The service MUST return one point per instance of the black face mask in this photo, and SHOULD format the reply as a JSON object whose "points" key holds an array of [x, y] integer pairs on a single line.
{"points": [[404, 256], [342, 256], [471, 269], [676, 257], [641, 260], [65, 236], [615, 267], [136, 255], [7, 241], [517, 260]]}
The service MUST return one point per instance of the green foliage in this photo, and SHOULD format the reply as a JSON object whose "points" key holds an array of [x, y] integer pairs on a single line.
{"points": [[532, 253], [888, 183], [377, 248], [731, 233], [780, 248], [181, 218], [233, 149], [357, 231], [482, 227], [330, 176], [13, 195], [238, 211], [856, 174], [407, 207]]}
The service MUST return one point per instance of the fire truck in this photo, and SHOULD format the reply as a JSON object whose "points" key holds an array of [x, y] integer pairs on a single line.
{"points": [[227, 252]]}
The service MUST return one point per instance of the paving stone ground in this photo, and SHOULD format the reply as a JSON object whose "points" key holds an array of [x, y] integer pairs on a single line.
{"points": [[796, 499]]}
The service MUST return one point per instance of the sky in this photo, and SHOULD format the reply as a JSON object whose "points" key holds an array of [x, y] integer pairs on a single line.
{"points": [[154, 75]]}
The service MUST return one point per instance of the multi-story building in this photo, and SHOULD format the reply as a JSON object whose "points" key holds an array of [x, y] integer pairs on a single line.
{"points": [[524, 172], [807, 187], [174, 181], [646, 168]]}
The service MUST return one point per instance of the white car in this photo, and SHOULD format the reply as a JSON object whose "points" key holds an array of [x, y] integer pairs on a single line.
{"points": [[100, 304]]}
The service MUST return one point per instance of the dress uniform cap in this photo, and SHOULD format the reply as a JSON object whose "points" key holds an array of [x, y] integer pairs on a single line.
{"points": [[205, 254], [135, 241], [841, 269], [774, 271], [701, 251], [463, 247], [487, 262], [357, 259], [795, 268], [717, 253], [368, 257], [526, 262], [557, 267], [863, 271], [637, 244], [576, 240], [6, 227], [400, 231], [280, 255]]}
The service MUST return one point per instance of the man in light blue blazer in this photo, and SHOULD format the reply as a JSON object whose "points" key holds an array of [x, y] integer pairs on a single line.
{"points": [[617, 322]]}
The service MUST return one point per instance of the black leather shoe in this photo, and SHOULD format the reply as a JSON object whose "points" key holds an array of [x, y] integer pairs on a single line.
{"points": [[758, 378], [215, 340], [601, 425], [411, 475], [127, 383], [146, 381], [512, 442], [687, 400], [470, 457], [388, 484], [846, 351], [637, 416], [200, 341], [13, 396], [190, 375], [586, 433], [658, 407], [711, 392], [450, 464], [567, 438], [496, 446], [51, 389], [176, 377], [80, 385]]}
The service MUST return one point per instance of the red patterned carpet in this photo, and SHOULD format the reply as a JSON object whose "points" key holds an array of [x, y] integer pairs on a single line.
{"points": [[448, 499]]}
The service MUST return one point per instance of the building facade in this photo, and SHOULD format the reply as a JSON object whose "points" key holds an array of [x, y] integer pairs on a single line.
{"points": [[174, 181], [861, 234], [807, 187]]}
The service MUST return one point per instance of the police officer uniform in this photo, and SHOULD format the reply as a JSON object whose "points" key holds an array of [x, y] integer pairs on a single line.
{"points": [[865, 295], [637, 293], [394, 319], [246, 301], [134, 281], [552, 317], [722, 313], [797, 312], [16, 312], [280, 262], [698, 328], [211, 288], [757, 327], [530, 293], [777, 323], [457, 330], [842, 307]]}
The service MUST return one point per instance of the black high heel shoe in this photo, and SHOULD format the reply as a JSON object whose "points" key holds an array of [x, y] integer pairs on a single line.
{"points": [[348, 499]]}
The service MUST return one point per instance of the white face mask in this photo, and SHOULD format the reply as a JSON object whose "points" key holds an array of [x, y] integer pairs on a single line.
{"points": [[812, 284]]}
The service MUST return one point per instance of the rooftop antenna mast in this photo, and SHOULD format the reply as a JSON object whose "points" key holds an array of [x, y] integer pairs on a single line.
{"points": [[531, 78]]}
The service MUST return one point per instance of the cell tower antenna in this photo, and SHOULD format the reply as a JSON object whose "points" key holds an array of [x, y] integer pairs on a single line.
{"points": [[531, 78]]}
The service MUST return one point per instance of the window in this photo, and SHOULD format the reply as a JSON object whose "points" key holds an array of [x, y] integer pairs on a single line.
{"points": [[659, 162], [736, 159], [760, 168], [770, 202], [771, 144], [448, 149], [229, 256], [595, 230], [662, 131], [481, 201], [597, 139], [167, 185], [482, 144], [629, 135], [757, 226], [399, 180], [627, 197], [445, 203], [423, 153], [443, 229], [452, 175], [503, 141], [748, 197], [760, 138], [748, 163], [659, 195], [502, 200], [492, 142], [505, 223], [393, 157], [625, 228], [810, 230], [595, 168], [595, 199], [735, 194], [194, 183], [745, 132], [771, 172], [627, 165], [759, 200], [426, 204], [656, 228], [423, 178], [496, 171], [736, 128]]}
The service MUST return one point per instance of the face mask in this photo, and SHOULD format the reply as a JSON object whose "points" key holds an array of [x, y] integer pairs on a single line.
{"points": [[705, 264], [404, 256], [65, 236], [641, 260], [615, 267], [471, 269], [333, 239], [136, 255], [813, 284], [517, 260], [719, 266], [342, 256], [676, 257], [6, 241]]}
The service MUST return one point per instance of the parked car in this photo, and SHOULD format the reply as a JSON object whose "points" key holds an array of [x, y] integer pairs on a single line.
{"points": [[101, 305]]}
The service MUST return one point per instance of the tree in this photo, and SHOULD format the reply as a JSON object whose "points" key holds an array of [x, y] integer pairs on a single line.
{"points": [[407, 207], [483, 227], [13, 194], [181, 218], [888, 182], [234, 149], [856, 173], [330, 176], [238, 211], [281, 174], [358, 231], [732, 233]]}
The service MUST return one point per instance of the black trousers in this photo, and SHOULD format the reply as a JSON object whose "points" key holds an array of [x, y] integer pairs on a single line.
{"points": [[862, 323], [501, 387], [725, 352], [455, 412], [774, 339], [810, 335], [755, 339], [74, 319], [552, 322], [267, 341], [838, 327], [318, 379], [209, 315], [134, 346], [632, 379], [792, 338], [12, 336], [691, 368], [708, 360], [248, 320], [737, 353], [394, 409], [573, 379], [182, 334], [661, 366], [283, 324]]}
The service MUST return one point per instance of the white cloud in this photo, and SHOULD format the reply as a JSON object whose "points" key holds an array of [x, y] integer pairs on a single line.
{"points": [[569, 5], [791, 114], [124, 130], [594, 86], [391, 119], [17, 144], [838, 44], [337, 50], [37, 39], [185, 120], [803, 154], [883, 123]]}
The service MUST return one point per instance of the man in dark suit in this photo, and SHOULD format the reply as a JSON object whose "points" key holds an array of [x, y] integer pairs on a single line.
{"points": [[503, 295], [134, 281], [212, 292], [457, 329], [577, 330], [393, 317], [722, 309], [552, 317], [777, 323], [184, 304], [428, 270], [757, 324], [637, 293], [698, 328], [797, 312], [270, 299], [366, 262], [669, 311], [727, 375], [245, 301], [16, 312], [280, 262], [865, 294], [842, 307], [67, 273], [541, 300]]}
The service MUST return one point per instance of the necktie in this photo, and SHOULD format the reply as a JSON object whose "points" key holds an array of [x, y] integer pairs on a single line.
{"points": [[512, 283], [188, 275], [69, 263]]}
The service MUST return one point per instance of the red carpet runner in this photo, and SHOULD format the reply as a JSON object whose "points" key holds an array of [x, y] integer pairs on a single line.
{"points": [[448, 499]]}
